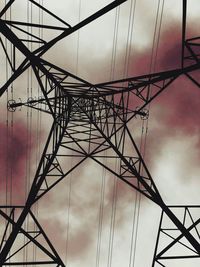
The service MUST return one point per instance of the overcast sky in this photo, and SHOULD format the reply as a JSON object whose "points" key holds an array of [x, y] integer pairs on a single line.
{"points": [[172, 145]]}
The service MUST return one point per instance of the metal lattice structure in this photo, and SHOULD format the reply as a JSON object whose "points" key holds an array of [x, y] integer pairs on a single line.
{"points": [[95, 118]]}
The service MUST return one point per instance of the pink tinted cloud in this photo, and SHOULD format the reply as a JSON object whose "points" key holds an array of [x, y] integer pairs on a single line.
{"points": [[177, 109], [15, 150]]}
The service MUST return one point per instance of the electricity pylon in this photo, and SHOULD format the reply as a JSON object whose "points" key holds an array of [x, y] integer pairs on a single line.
{"points": [[95, 119]]}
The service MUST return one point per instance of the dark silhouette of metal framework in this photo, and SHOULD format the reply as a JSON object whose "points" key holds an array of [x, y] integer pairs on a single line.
{"points": [[95, 119]]}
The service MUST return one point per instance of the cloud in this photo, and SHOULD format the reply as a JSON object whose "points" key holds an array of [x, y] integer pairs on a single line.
{"points": [[15, 150], [175, 113]]}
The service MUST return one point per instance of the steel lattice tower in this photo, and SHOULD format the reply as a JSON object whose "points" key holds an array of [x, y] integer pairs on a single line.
{"points": [[95, 118]]}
